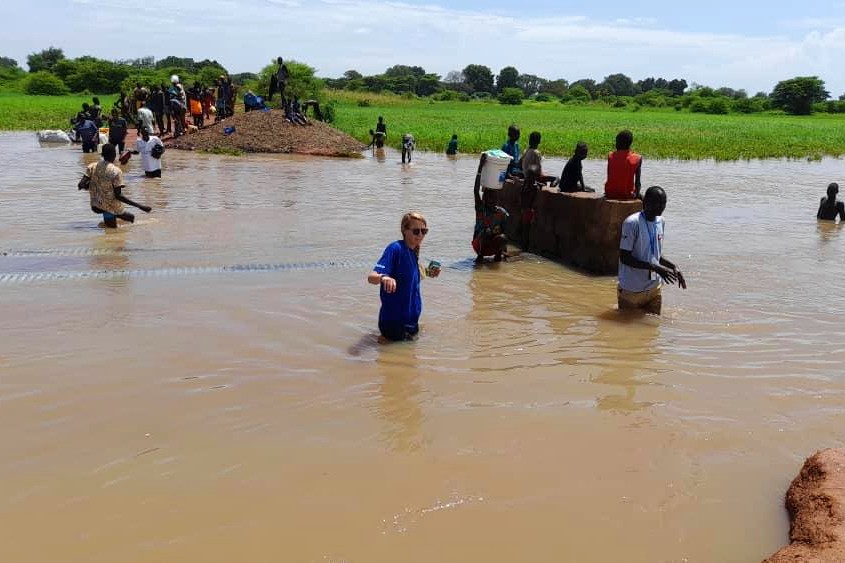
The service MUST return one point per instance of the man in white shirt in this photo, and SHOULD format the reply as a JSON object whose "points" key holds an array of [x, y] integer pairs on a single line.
{"points": [[150, 155], [642, 267], [145, 118]]}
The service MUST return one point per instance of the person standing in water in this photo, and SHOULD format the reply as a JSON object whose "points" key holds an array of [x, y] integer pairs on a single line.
{"points": [[150, 148], [488, 237], [398, 274], [104, 182], [380, 136], [642, 266], [829, 208], [452, 147]]}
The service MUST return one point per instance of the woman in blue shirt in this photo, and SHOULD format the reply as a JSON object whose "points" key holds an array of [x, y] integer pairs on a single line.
{"points": [[398, 273]]}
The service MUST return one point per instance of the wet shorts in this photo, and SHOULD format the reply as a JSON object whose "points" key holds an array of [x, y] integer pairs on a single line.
{"points": [[650, 300]]}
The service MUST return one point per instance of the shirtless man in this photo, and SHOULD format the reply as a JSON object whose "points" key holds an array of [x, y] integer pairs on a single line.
{"points": [[829, 208]]}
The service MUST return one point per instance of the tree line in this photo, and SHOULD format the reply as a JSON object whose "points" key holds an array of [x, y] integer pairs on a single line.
{"points": [[799, 95], [51, 73]]}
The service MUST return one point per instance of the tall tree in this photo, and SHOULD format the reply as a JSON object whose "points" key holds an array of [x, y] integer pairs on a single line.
{"points": [[797, 95], [530, 83], [479, 78], [6, 62], [404, 70], [428, 84], [587, 84], [618, 85], [555, 87], [508, 78], [44, 60], [677, 86], [454, 77]]}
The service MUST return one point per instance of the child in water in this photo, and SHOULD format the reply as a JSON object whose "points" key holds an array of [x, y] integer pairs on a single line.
{"points": [[398, 273], [452, 147], [829, 208]]}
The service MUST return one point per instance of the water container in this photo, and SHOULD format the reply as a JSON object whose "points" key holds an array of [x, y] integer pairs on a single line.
{"points": [[493, 172]]}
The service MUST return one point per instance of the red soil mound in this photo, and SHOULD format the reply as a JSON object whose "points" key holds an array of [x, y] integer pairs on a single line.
{"points": [[816, 504], [267, 131]]}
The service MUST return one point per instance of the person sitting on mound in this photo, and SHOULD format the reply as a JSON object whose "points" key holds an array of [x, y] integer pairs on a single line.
{"points": [[488, 238], [293, 112], [253, 102], [829, 208]]}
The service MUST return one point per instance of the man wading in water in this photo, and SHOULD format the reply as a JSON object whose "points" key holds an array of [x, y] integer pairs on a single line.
{"points": [[104, 181], [829, 208], [641, 262]]}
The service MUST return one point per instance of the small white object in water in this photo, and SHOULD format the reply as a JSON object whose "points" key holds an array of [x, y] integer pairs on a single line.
{"points": [[53, 136]]}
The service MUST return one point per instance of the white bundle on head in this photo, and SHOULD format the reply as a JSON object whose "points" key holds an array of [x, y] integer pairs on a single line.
{"points": [[174, 79]]}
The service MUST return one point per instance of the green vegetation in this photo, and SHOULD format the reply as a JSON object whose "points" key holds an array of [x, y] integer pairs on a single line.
{"points": [[228, 151], [669, 118], [658, 132], [23, 112]]}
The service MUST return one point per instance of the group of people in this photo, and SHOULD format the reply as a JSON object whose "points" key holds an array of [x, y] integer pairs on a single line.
{"points": [[409, 143], [643, 268], [166, 108]]}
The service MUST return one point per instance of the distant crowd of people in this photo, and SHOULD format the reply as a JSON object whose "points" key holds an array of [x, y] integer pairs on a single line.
{"points": [[165, 109]]}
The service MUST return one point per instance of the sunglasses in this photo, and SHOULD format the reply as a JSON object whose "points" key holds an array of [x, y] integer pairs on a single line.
{"points": [[419, 232]]}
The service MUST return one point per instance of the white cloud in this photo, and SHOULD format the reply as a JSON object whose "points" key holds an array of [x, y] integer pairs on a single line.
{"points": [[371, 35]]}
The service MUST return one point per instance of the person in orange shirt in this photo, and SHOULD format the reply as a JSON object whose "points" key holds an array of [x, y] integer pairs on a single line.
{"points": [[623, 169]]}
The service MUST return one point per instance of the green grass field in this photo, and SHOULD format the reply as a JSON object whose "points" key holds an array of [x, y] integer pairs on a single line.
{"points": [[658, 133], [19, 112]]}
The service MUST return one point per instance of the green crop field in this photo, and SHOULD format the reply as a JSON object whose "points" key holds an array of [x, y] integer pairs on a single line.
{"points": [[658, 133], [21, 112], [480, 125]]}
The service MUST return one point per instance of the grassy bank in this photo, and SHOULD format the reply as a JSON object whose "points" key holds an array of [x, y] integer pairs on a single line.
{"points": [[21, 112], [658, 133]]}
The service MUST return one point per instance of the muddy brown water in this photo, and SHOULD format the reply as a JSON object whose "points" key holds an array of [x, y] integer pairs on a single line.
{"points": [[205, 385]]}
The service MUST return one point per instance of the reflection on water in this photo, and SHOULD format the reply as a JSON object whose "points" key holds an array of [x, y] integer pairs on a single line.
{"points": [[829, 230], [210, 378], [630, 341]]}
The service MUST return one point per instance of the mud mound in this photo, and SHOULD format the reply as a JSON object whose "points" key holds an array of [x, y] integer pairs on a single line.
{"points": [[267, 131], [816, 505]]}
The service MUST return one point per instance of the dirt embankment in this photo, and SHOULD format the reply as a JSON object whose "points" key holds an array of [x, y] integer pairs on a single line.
{"points": [[816, 505], [268, 131]]}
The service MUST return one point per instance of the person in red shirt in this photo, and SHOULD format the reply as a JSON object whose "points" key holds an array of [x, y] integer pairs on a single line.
{"points": [[623, 169]]}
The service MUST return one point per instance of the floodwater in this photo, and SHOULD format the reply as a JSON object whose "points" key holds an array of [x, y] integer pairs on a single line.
{"points": [[205, 385]]}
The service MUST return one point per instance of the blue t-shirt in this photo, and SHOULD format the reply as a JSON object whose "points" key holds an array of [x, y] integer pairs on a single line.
{"points": [[405, 304], [512, 148], [87, 131]]}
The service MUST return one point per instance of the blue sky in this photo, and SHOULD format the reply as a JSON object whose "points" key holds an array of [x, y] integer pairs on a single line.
{"points": [[750, 45]]}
